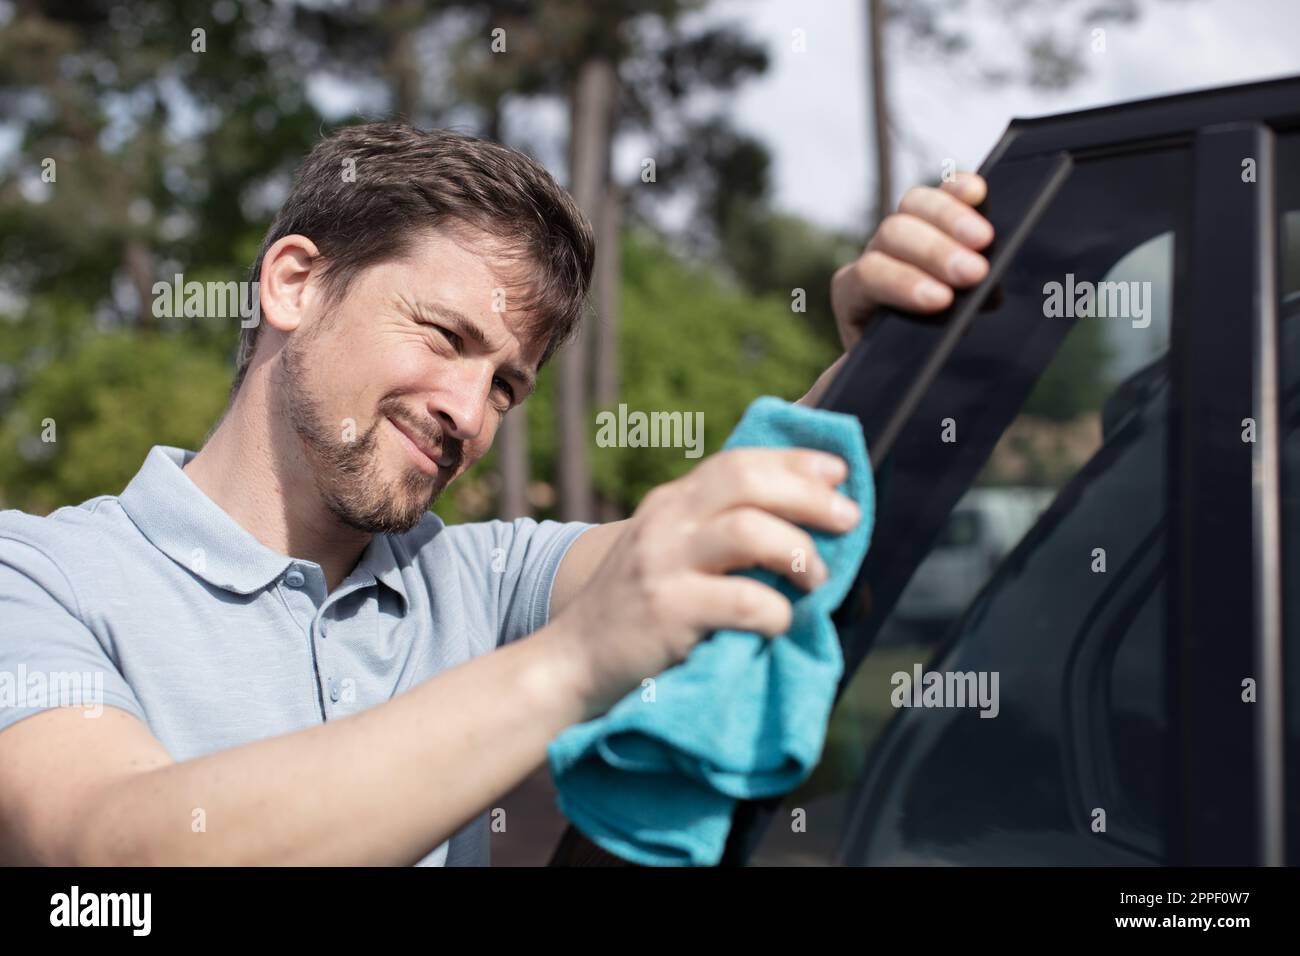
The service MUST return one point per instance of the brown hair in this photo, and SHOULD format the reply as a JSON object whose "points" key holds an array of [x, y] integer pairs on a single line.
{"points": [[408, 181]]}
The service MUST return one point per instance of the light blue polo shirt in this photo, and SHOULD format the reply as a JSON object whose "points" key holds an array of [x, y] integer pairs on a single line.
{"points": [[156, 601]]}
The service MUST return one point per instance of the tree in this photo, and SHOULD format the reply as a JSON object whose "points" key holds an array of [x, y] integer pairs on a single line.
{"points": [[880, 115], [1042, 44], [80, 426], [175, 126]]}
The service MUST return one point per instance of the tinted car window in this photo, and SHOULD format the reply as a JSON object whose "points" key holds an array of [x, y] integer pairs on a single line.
{"points": [[1072, 618]]}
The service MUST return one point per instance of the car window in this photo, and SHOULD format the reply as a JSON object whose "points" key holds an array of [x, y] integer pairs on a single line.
{"points": [[1066, 607]]}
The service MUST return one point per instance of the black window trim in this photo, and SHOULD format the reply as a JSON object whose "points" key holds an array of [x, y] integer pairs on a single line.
{"points": [[1224, 779], [1267, 509]]}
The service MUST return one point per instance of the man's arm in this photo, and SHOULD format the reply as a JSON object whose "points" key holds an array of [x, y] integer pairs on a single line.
{"points": [[388, 784], [584, 556], [383, 786]]}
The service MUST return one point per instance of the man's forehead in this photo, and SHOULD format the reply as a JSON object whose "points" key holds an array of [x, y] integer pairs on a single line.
{"points": [[486, 270]]}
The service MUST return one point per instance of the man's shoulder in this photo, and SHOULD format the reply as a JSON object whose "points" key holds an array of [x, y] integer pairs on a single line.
{"points": [[69, 553], [65, 532]]}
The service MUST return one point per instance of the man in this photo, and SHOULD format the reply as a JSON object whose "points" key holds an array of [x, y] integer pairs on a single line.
{"points": [[290, 660]]}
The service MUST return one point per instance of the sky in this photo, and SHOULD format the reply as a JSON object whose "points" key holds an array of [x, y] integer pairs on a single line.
{"points": [[811, 106]]}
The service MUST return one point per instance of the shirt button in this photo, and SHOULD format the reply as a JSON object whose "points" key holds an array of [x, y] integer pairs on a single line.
{"points": [[294, 578], [334, 692]]}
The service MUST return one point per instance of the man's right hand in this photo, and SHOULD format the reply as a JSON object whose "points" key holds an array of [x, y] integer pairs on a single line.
{"points": [[665, 583]]}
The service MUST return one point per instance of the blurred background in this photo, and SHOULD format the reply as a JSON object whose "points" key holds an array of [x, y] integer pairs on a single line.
{"points": [[730, 154]]}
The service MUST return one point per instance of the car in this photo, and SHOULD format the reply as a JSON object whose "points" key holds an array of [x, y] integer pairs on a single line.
{"points": [[1143, 635]]}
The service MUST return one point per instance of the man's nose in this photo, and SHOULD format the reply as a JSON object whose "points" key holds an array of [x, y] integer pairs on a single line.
{"points": [[460, 401]]}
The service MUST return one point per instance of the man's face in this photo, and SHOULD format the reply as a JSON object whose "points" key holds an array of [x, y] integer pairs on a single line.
{"points": [[404, 385]]}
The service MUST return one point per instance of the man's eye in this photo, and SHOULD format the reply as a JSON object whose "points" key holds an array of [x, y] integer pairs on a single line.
{"points": [[505, 387], [452, 337]]}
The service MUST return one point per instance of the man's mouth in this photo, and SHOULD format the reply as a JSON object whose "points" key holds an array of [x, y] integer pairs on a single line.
{"points": [[428, 458]]}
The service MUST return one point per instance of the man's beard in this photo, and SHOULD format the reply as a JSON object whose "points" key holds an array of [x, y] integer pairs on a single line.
{"points": [[348, 474]]}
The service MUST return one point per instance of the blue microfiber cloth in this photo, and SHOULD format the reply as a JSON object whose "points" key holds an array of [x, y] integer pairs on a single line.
{"points": [[655, 779]]}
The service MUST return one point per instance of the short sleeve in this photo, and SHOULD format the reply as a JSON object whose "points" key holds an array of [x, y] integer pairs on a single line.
{"points": [[524, 556], [540, 548], [48, 657]]}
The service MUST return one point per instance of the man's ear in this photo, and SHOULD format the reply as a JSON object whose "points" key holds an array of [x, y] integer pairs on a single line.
{"points": [[283, 289]]}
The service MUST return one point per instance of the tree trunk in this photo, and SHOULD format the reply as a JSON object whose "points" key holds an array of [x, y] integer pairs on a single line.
{"points": [[137, 259], [591, 112], [512, 440], [512, 465], [402, 63], [608, 277], [876, 16]]}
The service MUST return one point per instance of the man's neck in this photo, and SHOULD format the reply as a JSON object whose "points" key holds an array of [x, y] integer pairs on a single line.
{"points": [[254, 469]]}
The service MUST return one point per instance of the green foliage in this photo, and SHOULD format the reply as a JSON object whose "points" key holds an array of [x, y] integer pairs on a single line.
{"points": [[774, 252], [690, 343], [110, 401], [727, 173], [144, 191]]}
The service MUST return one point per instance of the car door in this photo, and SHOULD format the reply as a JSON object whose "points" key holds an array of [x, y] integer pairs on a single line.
{"points": [[1135, 630]]}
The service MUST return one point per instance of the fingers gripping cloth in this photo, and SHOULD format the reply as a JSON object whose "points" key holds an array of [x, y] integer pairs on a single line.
{"points": [[655, 779]]}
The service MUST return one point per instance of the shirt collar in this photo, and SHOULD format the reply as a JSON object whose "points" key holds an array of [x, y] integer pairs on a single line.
{"points": [[191, 529]]}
